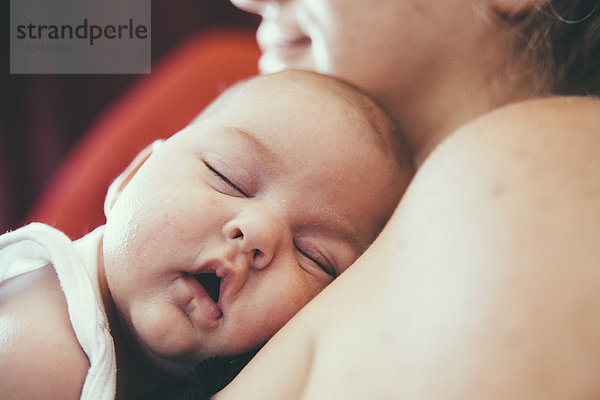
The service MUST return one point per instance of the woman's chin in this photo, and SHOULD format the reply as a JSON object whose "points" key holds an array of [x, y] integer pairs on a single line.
{"points": [[277, 60]]}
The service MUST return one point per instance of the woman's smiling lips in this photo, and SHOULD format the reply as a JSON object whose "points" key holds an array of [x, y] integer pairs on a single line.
{"points": [[271, 38]]}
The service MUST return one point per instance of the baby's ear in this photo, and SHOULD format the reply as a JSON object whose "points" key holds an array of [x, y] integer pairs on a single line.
{"points": [[116, 188]]}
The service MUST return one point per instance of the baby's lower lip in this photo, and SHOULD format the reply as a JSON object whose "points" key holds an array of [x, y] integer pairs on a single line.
{"points": [[199, 293]]}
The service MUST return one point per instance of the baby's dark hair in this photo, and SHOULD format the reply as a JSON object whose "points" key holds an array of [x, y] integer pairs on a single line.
{"points": [[559, 40], [209, 377]]}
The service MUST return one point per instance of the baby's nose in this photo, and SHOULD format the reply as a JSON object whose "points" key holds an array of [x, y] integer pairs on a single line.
{"points": [[256, 236]]}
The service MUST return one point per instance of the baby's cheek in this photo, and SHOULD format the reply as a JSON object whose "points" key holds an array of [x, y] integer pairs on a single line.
{"points": [[160, 327], [259, 328], [292, 301], [274, 305]]}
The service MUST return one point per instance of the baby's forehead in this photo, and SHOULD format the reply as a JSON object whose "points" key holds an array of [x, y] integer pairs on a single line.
{"points": [[312, 95], [299, 85], [297, 105], [311, 84]]}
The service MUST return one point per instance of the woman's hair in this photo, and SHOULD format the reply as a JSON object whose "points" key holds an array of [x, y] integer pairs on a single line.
{"points": [[560, 41]]}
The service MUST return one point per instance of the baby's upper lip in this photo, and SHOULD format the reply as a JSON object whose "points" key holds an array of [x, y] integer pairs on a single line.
{"points": [[221, 269], [210, 266]]}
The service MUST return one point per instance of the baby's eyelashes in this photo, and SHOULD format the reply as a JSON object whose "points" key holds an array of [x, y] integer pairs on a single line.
{"points": [[228, 187], [317, 260]]}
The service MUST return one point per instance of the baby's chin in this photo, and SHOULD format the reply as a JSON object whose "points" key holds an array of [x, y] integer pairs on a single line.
{"points": [[175, 349], [168, 350], [270, 62]]}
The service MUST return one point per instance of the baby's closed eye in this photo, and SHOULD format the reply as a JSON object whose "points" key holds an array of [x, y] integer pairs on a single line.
{"points": [[313, 256], [228, 185]]}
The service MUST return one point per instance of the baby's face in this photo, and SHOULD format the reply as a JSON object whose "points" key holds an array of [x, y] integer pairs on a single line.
{"points": [[237, 221]]}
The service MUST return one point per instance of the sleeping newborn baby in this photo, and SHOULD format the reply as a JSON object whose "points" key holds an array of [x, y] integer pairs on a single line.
{"points": [[214, 239]]}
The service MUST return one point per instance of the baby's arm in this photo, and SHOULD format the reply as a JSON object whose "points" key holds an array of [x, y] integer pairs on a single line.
{"points": [[40, 357]]}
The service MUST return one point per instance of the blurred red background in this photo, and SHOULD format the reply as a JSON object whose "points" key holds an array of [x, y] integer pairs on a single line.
{"points": [[43, 116]]}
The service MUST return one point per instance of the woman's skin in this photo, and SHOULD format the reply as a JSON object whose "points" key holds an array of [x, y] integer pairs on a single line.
{"points": [[485, 283], [435, 66]]}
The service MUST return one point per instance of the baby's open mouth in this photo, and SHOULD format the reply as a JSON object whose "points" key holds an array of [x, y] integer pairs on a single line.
{"points": [[211, 283]]}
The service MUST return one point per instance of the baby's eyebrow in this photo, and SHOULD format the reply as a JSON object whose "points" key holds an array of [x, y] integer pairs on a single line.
{"points": [[352, 238], [258, 146], [344, 231]]}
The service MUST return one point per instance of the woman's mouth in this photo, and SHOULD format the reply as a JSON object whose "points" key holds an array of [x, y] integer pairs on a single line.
{"points": [[282, 47], [282, 43]]}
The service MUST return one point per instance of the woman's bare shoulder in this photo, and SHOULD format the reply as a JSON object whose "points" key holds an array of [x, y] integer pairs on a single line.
{"points": [[560, 124], [40, 356], [499, 232], [535, 162]]}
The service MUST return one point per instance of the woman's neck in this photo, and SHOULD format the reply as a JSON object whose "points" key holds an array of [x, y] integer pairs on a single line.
{"points": [[427, 122], [454, 90]]}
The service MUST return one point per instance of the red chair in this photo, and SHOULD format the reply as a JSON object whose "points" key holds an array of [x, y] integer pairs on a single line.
{"points": [[158, 106]]}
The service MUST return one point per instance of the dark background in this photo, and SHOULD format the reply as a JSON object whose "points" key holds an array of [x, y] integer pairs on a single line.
{"points": [[42, 116]]}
